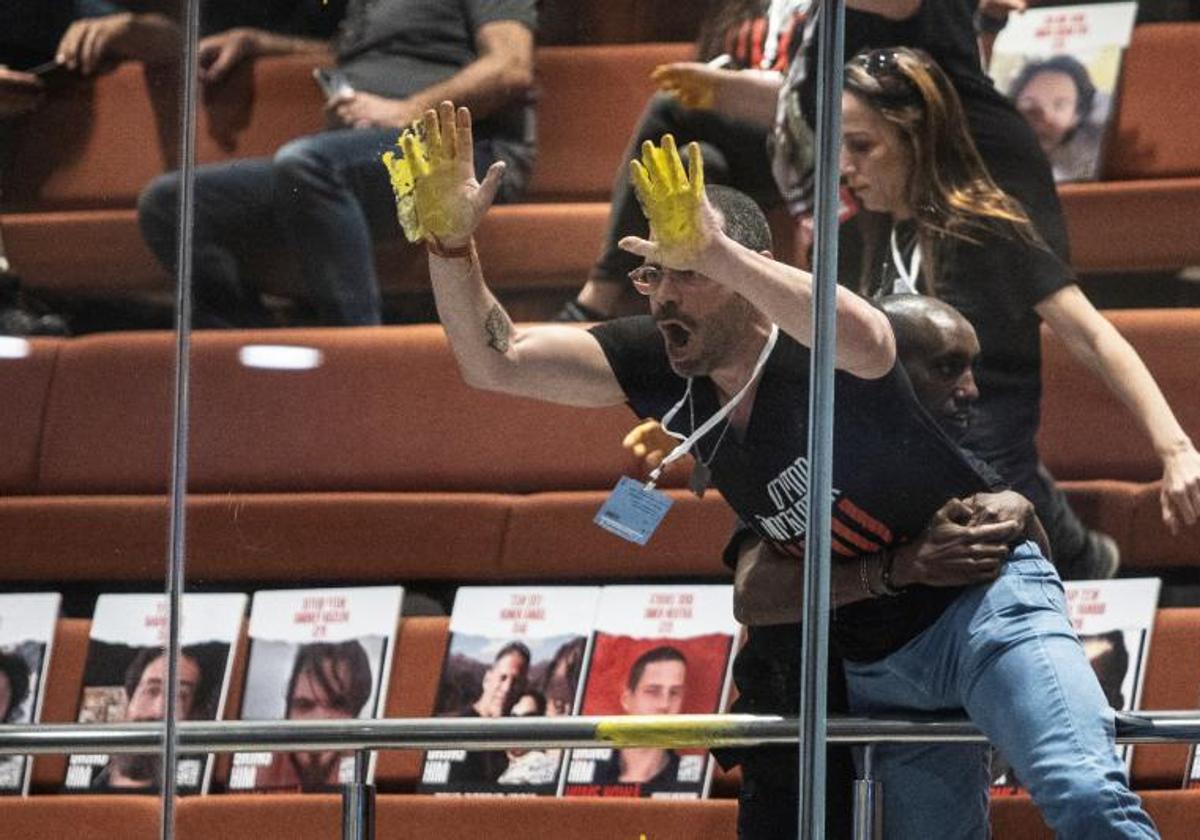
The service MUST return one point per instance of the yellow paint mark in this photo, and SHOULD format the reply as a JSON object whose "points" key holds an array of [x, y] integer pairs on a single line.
{"points": [[400, 172], [671, 197], [654, 732], [424, 176]]}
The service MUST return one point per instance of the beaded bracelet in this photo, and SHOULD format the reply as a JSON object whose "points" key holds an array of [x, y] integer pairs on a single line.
{"points": [[864, 579], [885, 574]]}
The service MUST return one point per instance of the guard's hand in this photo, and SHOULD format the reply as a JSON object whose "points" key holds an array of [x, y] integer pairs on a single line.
{"points": [[693, 83], [437, 195], [683, 225], [953, 552], [649, 443], [1005, 506], [1179, 493]]}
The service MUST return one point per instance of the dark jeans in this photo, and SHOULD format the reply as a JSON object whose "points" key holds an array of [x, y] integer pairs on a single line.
{"points": [[767, 804], [735, 153], [325, 197]]}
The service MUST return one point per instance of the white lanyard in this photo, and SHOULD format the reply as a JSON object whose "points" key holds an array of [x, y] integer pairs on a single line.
{"points": [[906, 280], [719, 415]]}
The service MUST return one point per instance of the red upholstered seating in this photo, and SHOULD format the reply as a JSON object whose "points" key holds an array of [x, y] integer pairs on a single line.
{"points": [[390, 443]]}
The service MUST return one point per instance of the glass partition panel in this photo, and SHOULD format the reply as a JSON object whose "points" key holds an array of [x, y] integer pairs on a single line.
{"points": [[89, 115]]}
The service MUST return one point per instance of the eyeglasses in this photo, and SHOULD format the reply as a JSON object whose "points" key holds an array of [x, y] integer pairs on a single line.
{"points": [[647, 278]]}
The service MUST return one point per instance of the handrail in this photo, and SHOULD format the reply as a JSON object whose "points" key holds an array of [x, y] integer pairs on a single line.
{"points": [[541, 733]]}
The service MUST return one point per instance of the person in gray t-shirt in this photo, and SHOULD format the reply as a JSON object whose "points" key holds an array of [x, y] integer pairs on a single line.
{"points": [[327, 196]]}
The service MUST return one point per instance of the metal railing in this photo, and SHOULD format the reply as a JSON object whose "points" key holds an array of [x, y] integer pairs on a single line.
{"points": [[543, 733]]}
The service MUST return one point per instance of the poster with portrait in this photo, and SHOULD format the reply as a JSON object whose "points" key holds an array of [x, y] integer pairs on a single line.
{"points": [[315, 654], [1060, 65], [1114, 620], [657, 650], [514, 651], [125, 679], [1192, 780], [27, 624]]}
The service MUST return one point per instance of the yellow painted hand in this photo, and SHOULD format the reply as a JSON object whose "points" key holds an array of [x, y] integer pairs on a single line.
{"points": [[649, 443], [400, 171], [673, 201], [437, 196], [692, 83]]}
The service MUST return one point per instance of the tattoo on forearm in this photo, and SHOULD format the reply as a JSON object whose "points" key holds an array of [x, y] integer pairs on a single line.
{"points": [[498, 329]]}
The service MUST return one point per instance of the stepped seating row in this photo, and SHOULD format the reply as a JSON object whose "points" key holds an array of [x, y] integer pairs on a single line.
{"points": [[1172, 681], [383, 457], [318, 817], [85, 156]]}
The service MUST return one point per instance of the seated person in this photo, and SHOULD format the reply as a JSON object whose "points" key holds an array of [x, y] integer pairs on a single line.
{"points": [[324, 196]]}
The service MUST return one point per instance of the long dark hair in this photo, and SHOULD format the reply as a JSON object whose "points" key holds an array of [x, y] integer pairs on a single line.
{"points": [[950, 191]]}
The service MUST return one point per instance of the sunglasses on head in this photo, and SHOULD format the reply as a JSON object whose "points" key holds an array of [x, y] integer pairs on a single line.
{"points": [[896, 89]]}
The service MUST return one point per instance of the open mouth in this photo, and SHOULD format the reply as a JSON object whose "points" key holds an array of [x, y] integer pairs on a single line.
{"points": [[676, 334]]}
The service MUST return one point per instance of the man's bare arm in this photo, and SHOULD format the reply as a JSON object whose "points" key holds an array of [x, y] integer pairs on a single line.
{"points": [[686, 233], [221, 52], [560, 364], [555, 363], [501, 74], [866, 345]]}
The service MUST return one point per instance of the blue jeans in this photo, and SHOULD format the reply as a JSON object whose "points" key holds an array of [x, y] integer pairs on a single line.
{"points": [[325, 197], [1006, 654]]}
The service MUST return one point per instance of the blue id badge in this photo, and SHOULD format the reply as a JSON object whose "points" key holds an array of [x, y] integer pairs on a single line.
{"points": [[632, 511]]}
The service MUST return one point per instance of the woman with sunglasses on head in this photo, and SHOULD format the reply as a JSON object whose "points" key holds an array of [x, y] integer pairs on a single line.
{"points": [[1010, 151], [940, 225]]}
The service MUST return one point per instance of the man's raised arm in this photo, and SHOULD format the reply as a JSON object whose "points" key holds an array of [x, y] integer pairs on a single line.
{"points": [[686, 234], [439, 201]]}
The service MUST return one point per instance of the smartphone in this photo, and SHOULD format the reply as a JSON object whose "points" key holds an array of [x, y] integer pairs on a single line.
{"points": [[333, 83], [50, 72]]}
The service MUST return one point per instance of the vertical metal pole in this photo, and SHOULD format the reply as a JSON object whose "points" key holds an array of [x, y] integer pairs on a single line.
{"points": [[358, 802], [814, 650], [868, 800], [176, 568]]}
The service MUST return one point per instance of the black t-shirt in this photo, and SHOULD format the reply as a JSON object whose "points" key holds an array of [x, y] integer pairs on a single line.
{"points": [[945, 30], [996, 283], [893, 468], [396, 48], [304, 18]]}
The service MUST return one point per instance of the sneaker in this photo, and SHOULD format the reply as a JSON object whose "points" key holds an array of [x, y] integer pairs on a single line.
{"points": [[1100, 559]]}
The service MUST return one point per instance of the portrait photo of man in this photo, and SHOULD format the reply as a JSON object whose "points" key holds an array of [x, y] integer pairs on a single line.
{"points": [[656, 685], [145, 686], [329, 681]]}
